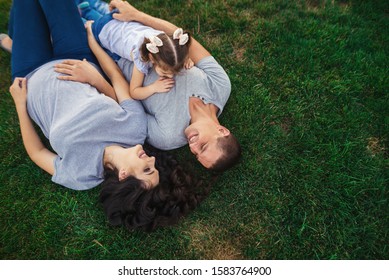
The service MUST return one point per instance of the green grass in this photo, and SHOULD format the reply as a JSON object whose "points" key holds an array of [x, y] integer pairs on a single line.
{"points": [[310, 106]]}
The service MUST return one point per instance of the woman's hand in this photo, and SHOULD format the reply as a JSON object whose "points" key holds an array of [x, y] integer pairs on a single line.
{"points": [[163, 85], [88, 26], [127, 11], [78, 71], [18, 91]]}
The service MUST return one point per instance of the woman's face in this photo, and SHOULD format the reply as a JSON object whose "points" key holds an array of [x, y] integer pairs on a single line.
{"points": [[140, 165]]}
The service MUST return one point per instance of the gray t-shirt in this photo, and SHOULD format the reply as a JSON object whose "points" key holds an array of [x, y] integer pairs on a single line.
{"points": [[79, 123], [168, 113]]}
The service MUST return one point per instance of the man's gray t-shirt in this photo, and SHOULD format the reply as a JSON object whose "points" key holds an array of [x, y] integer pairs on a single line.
{"points": [[79, 123], [168, 113]]}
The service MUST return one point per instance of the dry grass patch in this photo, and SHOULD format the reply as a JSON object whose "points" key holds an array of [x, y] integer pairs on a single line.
{"points": [[239, 54], [213, 243], [316, 6], [214, 41], [375, 146]]}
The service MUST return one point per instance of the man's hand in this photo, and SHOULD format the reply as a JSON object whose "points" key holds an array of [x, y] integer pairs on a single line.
{"points": [[18, 91], [127, 11], [78, 71]]}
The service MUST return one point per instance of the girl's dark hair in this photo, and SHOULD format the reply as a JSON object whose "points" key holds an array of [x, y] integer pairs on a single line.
{"points": [[171, 55], [131, 204]]}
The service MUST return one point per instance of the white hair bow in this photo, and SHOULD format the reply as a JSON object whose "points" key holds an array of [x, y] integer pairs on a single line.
{"points": [[155, 42], [181, 36]]}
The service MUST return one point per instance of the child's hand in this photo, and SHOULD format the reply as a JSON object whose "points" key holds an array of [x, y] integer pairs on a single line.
{"points": [[188, 63], [18, 91], [163, 85]]}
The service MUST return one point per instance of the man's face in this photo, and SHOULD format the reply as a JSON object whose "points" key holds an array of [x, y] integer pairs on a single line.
{"points": [[202, 139]]}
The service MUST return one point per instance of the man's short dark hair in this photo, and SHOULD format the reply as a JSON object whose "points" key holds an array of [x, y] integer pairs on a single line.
{"points": [[231, 149]]}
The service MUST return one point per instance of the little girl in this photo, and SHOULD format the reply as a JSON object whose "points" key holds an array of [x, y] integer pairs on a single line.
{"points": [[147, 48]]}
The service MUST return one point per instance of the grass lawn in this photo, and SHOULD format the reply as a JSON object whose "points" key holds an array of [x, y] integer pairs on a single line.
{"points": [[310, 106]]}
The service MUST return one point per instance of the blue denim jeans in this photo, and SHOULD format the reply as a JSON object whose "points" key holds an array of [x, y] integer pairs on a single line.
{"points": [[101, 18], [46, 30], [89, 13]]}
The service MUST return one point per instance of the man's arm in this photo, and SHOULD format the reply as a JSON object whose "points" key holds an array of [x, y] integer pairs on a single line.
{"points": [[130, 13], [38, 153]]}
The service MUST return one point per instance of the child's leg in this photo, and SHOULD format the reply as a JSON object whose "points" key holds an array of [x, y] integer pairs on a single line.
{"points": [[87, 12], [97, 26], [31, 37], [67, 31], [101, 6]]}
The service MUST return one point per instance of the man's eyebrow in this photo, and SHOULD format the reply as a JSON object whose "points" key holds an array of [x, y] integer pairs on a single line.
{"points": [[202, 151]]}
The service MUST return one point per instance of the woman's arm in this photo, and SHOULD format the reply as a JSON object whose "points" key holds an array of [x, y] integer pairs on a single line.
{"points": [[109, 67], [129, 13], [84, 72], [38, 153]]}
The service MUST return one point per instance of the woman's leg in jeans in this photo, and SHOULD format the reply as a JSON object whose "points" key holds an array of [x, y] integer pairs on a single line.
{"points": [[31, 37], [67, 31]]}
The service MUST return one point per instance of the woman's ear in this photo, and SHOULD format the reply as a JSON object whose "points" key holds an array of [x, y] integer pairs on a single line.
{"points": [[122, 174]]}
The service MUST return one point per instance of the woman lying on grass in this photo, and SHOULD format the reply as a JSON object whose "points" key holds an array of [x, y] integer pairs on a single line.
{"points": [[95, 137]]}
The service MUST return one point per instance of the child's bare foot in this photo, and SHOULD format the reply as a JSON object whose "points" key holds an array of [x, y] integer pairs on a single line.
{"points": [[188, 63], [6, 42]]}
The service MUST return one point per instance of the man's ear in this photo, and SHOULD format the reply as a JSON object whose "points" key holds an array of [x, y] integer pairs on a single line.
{"points": [[223, 131], [122, 174]]}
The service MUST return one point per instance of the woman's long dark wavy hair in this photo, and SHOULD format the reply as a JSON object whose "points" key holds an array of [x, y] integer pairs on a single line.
{"points": [[131, 204]]}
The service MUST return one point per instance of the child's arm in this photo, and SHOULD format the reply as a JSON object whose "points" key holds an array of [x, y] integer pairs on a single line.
{"points": [[109, 67], [129, 13], [38, 153], [139, 92]]}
